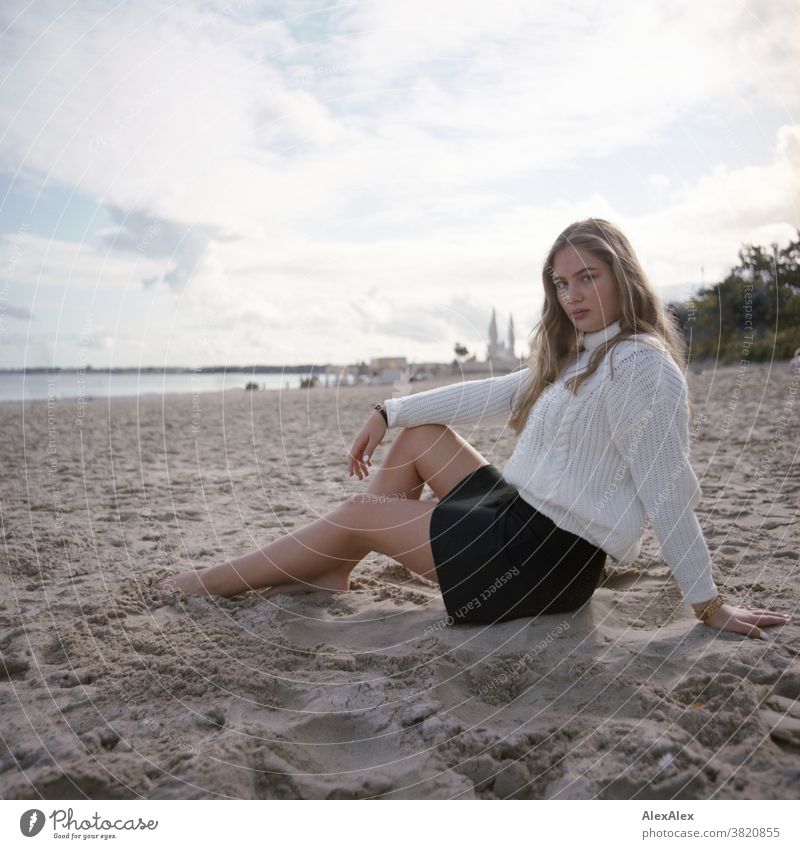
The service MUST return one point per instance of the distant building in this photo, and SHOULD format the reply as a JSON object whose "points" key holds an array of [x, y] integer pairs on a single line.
{"points": [[500, 353], [377, 364], [389, 369]]}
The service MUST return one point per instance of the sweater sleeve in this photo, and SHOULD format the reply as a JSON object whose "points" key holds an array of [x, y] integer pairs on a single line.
{"points": [[648, 415], [471, 402]]}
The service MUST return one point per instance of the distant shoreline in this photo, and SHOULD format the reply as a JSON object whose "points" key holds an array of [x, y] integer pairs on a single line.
{"points": [[171, 370], [380, 390]]}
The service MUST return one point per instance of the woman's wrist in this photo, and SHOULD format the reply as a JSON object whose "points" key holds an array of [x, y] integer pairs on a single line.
{"points": [[381, 410], [704, 610]]}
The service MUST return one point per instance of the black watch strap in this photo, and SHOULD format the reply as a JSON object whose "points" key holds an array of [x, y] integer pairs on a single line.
{"points": [[380, 408]]}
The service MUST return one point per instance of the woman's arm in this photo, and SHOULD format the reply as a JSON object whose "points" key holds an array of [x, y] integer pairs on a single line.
{"points": [[649, 414], [470, 402], [368, 438], [476, 401]]}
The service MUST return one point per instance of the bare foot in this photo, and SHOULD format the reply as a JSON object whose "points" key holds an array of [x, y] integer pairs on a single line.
{"points": [[187, 582], [336, 581], [190, 582]]}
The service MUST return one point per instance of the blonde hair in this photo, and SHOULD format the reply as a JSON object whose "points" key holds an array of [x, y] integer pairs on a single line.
{"points": [[556, 341]]}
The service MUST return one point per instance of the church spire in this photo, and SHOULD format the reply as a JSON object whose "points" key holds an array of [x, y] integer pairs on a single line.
{"points": [[493, 335]]}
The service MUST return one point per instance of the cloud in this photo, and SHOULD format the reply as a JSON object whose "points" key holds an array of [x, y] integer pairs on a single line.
{"points": [[292, 173], [40, 261], [183, 245], [198, 113], [659, 181], [20, 313], [704, 223], [146, 106]]}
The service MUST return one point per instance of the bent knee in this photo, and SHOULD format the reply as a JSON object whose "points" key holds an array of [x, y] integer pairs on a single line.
{"points": [[423, 434], [422, 428]]}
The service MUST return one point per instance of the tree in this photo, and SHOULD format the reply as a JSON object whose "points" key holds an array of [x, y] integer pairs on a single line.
{"points": [[460, 351], [753, 314]]}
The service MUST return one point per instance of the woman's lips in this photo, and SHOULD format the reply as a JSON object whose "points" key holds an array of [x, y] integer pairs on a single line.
{"points": [[579, 313]]}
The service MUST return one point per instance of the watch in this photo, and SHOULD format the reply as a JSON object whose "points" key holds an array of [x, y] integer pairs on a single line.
{"points": [[381, 409]]}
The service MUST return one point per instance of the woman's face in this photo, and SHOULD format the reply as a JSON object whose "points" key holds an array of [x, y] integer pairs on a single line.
{"points": [[585, 289]]}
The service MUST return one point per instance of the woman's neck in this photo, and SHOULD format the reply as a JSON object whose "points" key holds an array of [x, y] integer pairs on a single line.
{"points": [[594, 338]]}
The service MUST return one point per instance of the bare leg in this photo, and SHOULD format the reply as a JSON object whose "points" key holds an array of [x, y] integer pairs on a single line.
{"points": [[397, 478], [322, 554], [312, 552]]}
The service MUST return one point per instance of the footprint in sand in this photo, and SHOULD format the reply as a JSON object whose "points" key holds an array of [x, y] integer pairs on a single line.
{"points": [[12, 667], [781, 710], [783, 717]]}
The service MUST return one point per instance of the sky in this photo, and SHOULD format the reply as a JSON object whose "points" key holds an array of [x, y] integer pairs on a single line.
{"points": [[198, 183]]}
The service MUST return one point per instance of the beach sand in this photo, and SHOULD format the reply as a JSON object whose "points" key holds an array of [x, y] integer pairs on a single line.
{"points": [[113, 690]]}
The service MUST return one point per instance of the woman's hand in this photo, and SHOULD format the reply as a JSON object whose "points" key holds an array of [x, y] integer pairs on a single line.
{"points": [[369, 438], [745, 620]]}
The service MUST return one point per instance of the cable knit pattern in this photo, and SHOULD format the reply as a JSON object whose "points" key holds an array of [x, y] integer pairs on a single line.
{"points": [[601, 463]]}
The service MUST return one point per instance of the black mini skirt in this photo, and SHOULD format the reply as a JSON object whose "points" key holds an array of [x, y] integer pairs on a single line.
{"points": [[498, 558]]}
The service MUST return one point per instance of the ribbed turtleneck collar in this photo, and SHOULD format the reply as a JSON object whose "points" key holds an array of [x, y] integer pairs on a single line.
{"points": [[598, 337]]}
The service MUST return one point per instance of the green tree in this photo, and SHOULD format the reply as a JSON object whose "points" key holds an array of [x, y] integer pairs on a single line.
{"points": [[754, 313]]}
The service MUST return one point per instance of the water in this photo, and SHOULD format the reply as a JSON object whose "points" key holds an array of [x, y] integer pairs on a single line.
{"points": [[18, 387]]}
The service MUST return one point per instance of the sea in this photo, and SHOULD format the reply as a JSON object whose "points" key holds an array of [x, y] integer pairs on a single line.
{"points": [[16, 386]]}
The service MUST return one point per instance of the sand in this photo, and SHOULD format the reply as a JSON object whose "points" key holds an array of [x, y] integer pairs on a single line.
{"points": [[111, 690]]}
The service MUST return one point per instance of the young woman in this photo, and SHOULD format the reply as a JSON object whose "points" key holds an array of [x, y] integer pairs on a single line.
{"points": [[602, 419]]}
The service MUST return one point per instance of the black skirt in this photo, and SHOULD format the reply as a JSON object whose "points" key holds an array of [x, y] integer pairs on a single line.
{"points": [[498, 558]]}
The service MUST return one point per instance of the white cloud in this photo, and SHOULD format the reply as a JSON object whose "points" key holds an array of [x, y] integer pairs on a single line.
{"points": [[39, 261], [659, 181], [314, 170], [194, 117], [704, 223], [183, 245]]}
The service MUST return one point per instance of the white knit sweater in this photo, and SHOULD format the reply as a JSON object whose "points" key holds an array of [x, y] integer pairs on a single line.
{"points": [[600, 463]]}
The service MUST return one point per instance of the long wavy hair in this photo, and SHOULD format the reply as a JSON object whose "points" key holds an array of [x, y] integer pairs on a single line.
{"points": [[556, 341]]}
